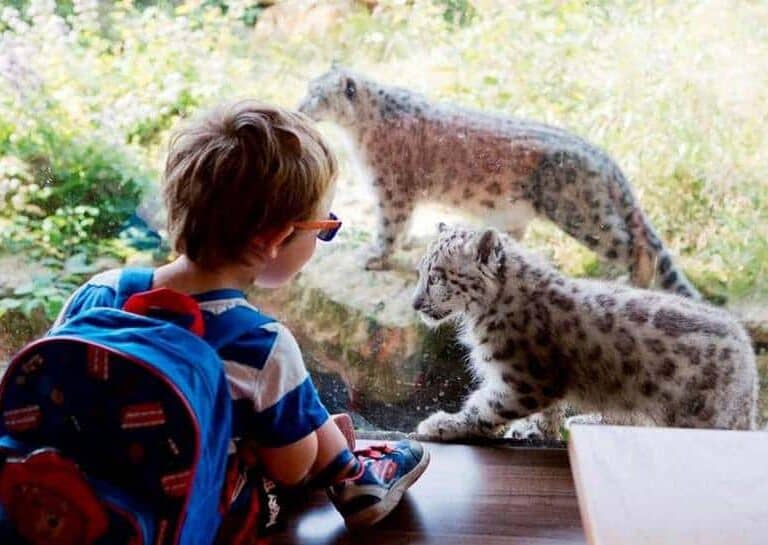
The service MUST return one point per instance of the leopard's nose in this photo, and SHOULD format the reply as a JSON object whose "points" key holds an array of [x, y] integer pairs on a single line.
{"points": [[418, 302]]}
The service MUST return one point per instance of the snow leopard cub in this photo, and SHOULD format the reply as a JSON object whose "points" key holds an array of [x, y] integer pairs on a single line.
{"points": [[539, 339]]}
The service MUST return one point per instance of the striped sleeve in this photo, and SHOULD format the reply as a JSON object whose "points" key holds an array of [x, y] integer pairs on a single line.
{"points": [[266, 368]]}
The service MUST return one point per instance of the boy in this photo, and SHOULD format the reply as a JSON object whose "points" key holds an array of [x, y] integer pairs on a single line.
{"points": [[248, 189]]}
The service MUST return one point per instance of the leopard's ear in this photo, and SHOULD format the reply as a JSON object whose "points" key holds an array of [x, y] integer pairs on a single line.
{"points": [[487, 246], [441, 227]]}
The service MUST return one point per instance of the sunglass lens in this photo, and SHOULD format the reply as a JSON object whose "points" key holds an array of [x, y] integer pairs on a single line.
{"points": [[326, 235]]}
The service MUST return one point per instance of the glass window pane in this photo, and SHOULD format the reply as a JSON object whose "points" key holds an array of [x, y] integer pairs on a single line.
{"points": [[674, 95]]}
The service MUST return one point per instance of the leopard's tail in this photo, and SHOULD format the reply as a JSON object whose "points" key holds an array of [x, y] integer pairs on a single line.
{"points": [[652, 264]]}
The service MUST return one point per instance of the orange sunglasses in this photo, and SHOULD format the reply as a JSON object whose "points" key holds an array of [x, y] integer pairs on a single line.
{"points": [[328, 228]]}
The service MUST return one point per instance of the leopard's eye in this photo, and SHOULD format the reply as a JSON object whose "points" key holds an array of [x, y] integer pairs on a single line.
{"points": [[437, 276], [350, 89]]}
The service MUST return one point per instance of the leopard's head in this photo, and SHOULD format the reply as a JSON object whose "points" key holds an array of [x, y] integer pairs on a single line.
{"points": [[341, 96], [461, 268]]}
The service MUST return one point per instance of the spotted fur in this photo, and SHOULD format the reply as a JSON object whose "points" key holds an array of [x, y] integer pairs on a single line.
{"points": [[539, 340], [503, 170]]}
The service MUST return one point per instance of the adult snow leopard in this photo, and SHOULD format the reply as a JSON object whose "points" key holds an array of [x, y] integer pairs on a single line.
{"points": [[501, 169]]}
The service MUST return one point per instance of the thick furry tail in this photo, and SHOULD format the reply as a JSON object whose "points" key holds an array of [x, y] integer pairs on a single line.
{"points": [[653, 264]]}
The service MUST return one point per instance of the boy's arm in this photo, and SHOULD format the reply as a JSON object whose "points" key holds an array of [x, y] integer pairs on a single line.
{"points": [[287, 411]]}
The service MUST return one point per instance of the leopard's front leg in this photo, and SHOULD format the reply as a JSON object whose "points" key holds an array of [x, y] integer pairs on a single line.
{"points": [[483, 413], [475, 419], [395, 208]]}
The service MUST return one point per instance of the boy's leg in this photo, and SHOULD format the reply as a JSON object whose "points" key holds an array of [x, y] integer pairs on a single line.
{"points": [[335, 459], [336, 435], [254, 502], [387, 471], [365, 486]]}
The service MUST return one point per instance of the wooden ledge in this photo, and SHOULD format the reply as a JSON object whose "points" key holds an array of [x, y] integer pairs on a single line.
{"points": [[469, 495]]}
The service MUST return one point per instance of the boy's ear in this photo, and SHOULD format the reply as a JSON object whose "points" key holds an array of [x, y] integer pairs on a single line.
{"points": [[267, 244]]}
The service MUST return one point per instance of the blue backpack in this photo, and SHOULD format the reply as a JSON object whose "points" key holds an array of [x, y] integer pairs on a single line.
{"points": [[114, 429]]}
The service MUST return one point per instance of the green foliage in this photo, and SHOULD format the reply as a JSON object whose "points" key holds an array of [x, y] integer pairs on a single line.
{"points": [[65, 188], [64, 8], [248, 14], [74, 178], [64, 194], [150, 131], [46, 293], [672, 90], [458, 12]]}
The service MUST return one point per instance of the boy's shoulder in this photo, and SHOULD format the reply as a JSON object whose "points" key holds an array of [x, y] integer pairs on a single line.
{"points": [[105, 283], [106, 280], [244, 333], [263, 339]]}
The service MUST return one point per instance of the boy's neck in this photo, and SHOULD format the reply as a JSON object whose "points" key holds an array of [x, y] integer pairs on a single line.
{"points": [[187, 276]]}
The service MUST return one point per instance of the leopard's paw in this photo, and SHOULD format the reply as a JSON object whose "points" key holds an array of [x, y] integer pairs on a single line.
{"points": [[525, 429], [443, 426]]}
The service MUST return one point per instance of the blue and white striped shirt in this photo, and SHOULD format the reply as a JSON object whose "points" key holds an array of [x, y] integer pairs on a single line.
{"points": [[275, 401]]}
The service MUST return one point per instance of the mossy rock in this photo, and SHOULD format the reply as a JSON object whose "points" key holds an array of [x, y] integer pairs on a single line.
{"points": [[16, 328]]}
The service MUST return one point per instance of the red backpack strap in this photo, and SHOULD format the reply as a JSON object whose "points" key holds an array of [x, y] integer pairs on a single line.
{"points": [[165, 299], [135, 294]]}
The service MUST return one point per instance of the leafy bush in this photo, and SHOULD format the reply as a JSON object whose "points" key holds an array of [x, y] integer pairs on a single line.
{"points": [[64, 175], [65, 189], [64, 203], [460, 12]]}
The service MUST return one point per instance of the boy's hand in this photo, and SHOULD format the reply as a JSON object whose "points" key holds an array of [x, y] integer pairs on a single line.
{"points": [[344, 422]]}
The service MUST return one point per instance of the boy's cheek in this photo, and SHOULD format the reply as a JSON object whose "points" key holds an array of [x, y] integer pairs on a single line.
{"points": [[289, 262], [309, 252]]}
